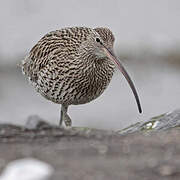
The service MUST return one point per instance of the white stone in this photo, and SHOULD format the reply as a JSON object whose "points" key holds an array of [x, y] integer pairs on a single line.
{"points": [[27, 169], [155, 124]]}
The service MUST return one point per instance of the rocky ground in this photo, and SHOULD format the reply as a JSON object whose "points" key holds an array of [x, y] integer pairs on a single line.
{"points": [[146, 150]]}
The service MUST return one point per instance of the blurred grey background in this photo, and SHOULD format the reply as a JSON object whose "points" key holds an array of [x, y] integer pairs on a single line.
{"points": [[147, 42]]}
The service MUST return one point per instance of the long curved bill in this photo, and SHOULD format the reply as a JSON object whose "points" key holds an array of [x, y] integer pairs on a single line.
{"points": [[112, 56]]}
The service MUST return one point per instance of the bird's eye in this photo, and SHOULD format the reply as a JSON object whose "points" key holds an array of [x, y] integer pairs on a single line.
{"points": [[97, 40]]}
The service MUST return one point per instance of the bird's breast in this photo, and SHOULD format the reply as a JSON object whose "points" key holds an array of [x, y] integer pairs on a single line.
{"points": [[93, 81]]}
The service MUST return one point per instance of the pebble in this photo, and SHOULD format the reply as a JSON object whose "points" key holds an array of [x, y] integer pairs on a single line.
{"points": [[27, 169]]}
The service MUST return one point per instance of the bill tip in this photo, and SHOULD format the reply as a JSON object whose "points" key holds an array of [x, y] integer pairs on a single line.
{"points": [[140, 111]]}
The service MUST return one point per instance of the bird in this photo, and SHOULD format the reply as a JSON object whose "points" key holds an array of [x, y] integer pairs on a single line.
{"points": [[72, 66]]}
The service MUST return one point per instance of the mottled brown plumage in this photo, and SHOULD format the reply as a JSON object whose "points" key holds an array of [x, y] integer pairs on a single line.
{"points": [[72, 66]]}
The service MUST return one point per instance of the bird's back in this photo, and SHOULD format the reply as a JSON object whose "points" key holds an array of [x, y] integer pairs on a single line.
{"points": [[60, 44]]}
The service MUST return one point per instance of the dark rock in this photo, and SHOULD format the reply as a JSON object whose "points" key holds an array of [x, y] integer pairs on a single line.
{"points": [[162, 122]]}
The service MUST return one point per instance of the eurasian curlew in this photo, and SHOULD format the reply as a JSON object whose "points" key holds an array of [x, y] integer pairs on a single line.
{"points": [[73, 66]]}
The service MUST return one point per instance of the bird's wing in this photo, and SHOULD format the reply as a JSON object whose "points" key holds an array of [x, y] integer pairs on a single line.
{"points": [[57, 47]]}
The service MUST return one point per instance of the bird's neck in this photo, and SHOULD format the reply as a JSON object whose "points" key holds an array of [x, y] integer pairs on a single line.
{"points": [[97, 68]]}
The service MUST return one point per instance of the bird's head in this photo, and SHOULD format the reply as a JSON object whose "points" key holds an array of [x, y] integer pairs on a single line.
{"points": [[100, 43], [98, 39]]}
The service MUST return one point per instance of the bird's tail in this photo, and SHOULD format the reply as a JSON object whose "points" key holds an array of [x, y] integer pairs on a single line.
{"points": [[19, 64], [23, 65]]}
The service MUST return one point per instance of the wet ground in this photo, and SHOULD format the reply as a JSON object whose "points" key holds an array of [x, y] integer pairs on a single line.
{"points": [[83, 153]]}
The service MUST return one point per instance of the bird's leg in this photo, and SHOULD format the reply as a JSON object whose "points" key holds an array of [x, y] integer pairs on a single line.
{"points": [[64, 116], [61, 118]]}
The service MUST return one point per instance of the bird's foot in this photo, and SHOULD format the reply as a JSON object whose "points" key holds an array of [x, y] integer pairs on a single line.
{"points": [[65, 117], [67, 120]]}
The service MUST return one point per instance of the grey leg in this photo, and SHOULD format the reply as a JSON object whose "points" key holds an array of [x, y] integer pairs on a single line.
{"points": [[64, 116], [61, 118]]}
